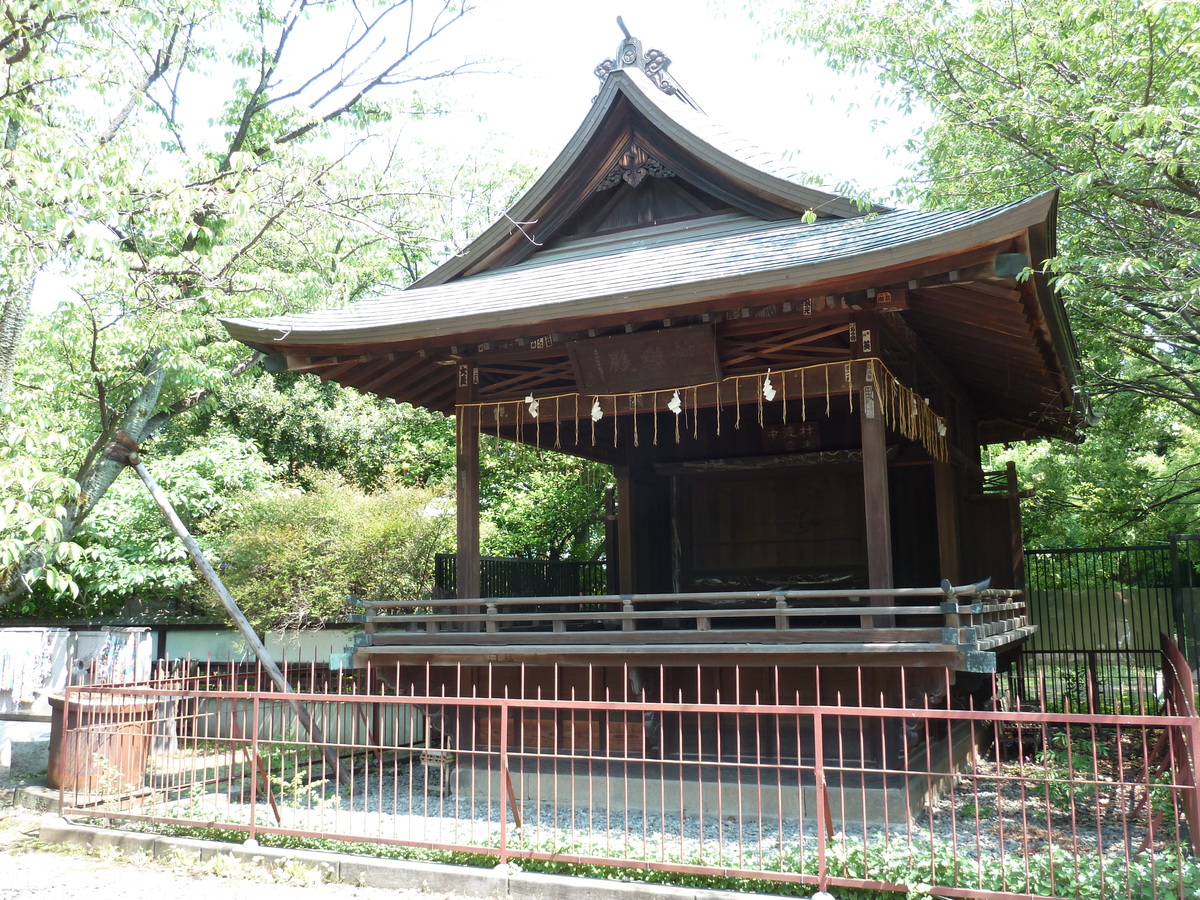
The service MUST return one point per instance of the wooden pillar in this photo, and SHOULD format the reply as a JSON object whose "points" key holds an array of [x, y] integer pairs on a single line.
{"points": [[875, 490], [467, 470], [1016, 537], [883, 684], [624, 529], [946, 499]]}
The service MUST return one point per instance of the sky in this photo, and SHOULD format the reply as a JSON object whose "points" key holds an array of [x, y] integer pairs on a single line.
{"points": [[536, 82], [773, 94]]}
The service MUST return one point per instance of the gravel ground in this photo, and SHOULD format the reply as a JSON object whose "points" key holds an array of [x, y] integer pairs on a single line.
{"points": [[988, 812], [991, 810], [29, 869]]}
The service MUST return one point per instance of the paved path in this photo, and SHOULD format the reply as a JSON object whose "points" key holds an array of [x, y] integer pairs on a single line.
{"points": [[28, 870]]}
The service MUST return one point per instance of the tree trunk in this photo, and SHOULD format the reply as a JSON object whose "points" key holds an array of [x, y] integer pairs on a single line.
{"points": [[97, 476], [12, 327]]}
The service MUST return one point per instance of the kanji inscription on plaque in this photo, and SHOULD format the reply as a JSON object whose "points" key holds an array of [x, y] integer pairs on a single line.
{"points": [[646, 360]]}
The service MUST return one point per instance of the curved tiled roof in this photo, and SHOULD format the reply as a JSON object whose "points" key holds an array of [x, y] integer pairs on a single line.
{"points": [[646, 268]]}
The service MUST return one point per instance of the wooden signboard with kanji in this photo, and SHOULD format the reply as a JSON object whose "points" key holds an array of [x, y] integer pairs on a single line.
{"points": [[646, 360]]}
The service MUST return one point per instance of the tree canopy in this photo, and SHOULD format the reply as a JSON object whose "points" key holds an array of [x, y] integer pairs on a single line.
{"points": [[1099, 99], [177, 160]]}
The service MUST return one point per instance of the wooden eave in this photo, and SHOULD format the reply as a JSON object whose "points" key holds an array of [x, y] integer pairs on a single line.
{"points": [[994, 340], [686, 269]]}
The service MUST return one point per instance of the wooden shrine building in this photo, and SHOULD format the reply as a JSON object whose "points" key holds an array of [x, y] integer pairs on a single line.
{"points": [[792, 391]]}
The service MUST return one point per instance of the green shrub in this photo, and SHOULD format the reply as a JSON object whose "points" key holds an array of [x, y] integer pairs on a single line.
{"points": [[293, 556], [132, 551]]}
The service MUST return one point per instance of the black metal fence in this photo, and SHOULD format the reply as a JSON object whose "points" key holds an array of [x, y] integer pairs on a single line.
{"points": [[1100, 611], [504, 577]]}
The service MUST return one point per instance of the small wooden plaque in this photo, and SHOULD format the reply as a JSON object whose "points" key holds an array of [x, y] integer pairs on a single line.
{"points": [[646, 360], [891, 299]]}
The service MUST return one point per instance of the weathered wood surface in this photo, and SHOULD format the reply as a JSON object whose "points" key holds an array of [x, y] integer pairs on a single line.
{"points": [[711, 636], [626, 511], [797, 625], [960, 593], [864, 655], [654, 615], [467, 480], [646, 360]]}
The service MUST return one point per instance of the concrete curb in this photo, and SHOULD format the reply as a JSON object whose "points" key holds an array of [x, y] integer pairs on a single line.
{"points": [[390, 874]]}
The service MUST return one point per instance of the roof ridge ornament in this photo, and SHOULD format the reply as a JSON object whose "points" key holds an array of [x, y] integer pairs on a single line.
{"points": [[632, 167], [652, 62]]}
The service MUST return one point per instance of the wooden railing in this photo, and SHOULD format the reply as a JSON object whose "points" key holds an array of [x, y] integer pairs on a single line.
{"points": [[967, 619]]}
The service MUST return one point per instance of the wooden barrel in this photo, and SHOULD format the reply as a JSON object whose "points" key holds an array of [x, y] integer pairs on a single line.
{"points": [[101, 745]]}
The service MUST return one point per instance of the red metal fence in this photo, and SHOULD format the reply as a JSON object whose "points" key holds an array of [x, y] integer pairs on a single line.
{"points": [[975, 802]]}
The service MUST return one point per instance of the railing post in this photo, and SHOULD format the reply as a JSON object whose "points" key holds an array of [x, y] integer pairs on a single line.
{"points": [[627, 607], [781, 620], [492, 626], [1185, 623], [1194, 787], [505, 781], [253, 774], [822, 801], [1094, 682], [64, 743]]}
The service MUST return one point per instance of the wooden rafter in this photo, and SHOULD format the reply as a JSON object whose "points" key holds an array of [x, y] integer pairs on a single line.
{"points": [[373, 382], [771, 346], [514, 379]]}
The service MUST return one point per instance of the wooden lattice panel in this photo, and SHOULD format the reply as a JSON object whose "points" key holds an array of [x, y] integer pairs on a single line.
{"points": [[794, 346]]}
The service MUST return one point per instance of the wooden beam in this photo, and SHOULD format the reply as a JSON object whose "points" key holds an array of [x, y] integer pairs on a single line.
{"points": [[310, 363], [875, 495], [758, 463], [890, 655], [1016, 538]]}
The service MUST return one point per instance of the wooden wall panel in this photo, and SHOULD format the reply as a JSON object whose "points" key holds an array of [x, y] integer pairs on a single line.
{"points": [[795, 527], [913, 505]]}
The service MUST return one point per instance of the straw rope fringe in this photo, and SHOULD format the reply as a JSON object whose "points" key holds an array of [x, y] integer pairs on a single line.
{"points": [[901, 407]]}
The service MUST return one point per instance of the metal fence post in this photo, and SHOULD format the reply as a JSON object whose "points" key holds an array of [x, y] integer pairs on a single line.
{"points": [[822, 800], [64, 743], [504, 780], [253, 773], [1177, 600], [1194, 788]]}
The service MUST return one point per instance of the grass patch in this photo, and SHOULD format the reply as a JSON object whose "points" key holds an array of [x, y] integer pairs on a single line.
{"points": [[922, 867]]}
